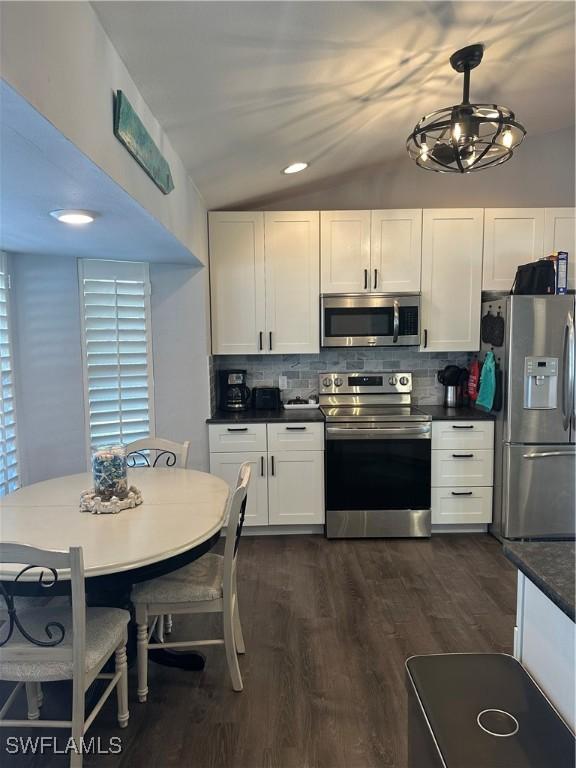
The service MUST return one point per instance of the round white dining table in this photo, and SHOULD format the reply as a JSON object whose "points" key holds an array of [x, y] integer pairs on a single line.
{"points": [[182, 514]]}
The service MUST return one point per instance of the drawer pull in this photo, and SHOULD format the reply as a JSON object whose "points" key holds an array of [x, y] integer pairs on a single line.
{"points": [[294, 429], [273, 465], [461, 493], [237, 429], [462, 455], [262, 466], [462, 426]]}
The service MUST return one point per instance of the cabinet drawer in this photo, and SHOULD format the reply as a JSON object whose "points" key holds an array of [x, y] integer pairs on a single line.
{"points": [[227, 438], [461, 505], [462, 467], [296, 436], [478, 435]]}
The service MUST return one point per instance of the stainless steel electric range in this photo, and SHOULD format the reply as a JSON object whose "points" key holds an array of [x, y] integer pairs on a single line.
{"points": [[378, 456]]}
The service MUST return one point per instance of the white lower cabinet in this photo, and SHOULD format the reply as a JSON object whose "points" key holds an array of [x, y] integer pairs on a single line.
{"points": [[227, 466], [287, 485], [462, 473], [296, 487]]}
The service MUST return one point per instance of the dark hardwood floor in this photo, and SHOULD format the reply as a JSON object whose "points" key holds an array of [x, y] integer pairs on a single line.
{"points": [[328, 626]]}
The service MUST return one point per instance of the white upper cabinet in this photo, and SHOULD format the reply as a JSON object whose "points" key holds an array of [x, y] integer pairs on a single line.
{"points": [[237, 282], [345, 251], [396, 251], [451, 279], [560, 235], [292, 242], [512, 236], [264, 279]]}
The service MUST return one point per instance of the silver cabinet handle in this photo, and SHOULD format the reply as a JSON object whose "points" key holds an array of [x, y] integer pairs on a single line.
{"points": [[396, 321], [547, 454]]}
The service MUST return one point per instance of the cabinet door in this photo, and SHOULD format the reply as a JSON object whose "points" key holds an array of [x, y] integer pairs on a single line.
{"points": [[292, 258], [512, 236], [451, 279], [237, 282], [396, 251], [345, 251], [296, 487], [227, 465], [560, 235]]}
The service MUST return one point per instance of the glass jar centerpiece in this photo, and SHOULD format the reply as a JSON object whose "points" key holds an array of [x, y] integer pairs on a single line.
{"points": [[109, 471]]}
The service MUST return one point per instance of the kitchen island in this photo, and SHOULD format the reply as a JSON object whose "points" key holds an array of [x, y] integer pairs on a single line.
{"points": [[545, 636]]}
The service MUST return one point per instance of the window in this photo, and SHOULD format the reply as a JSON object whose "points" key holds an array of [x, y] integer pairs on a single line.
{"points": [[116, 343], [8, 449]]}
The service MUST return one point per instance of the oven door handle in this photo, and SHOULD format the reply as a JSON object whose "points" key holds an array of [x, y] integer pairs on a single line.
{"points": [[396, 321], [377, 433]]}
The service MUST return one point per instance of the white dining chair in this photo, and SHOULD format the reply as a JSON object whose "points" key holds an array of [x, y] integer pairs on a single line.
{"points": [[207, 585], [157, 452], [60, 642]]}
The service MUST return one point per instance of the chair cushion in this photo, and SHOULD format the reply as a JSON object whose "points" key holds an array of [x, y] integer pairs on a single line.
{"points": [[105, 629], [201, 580]]}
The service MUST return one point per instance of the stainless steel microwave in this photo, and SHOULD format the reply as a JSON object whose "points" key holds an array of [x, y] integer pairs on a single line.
{"points": [[370, 320]]}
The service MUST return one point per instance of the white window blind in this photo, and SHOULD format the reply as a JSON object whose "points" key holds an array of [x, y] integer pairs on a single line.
{"points": [[116, 338], [8, 448]]}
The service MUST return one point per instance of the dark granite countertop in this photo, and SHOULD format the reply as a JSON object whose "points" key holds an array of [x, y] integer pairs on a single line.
{"points": [[439, 413], [269, 417], [550, 565]]}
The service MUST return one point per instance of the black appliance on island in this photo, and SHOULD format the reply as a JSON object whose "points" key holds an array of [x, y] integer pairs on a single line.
{"points": [[234, 394]]}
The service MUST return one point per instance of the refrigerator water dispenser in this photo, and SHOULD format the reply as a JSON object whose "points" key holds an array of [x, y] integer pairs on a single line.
{"points": [[540, 383]]}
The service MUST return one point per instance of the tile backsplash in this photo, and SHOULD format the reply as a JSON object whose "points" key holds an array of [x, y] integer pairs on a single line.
{"points": [[302, 371]]}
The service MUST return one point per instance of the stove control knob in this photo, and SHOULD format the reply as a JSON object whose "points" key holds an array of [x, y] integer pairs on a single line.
{"points": [[392, 381], [338, 382], [404, 380], [327, 382]]}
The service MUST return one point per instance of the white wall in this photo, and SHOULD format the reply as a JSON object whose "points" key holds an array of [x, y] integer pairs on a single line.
{"points": [[541, 174], [58, 57], [48, 362]]}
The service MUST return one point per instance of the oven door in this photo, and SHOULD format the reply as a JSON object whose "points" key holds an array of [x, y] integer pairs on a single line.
{"points": [[364, 320], [378, 480]]}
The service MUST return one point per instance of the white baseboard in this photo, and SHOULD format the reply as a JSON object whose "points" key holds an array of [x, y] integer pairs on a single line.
{"points": [[459, 528]]}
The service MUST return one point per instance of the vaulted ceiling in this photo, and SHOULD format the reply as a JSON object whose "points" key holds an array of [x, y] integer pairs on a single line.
{"points": [[245, 88]]}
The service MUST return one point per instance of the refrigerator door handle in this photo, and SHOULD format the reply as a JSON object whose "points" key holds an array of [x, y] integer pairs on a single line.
{"points": [[568, 372], [546, 454]]}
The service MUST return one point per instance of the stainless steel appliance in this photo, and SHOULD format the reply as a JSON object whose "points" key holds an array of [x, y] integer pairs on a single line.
{"points": [[378, 456], [369, 320], [535, 451], [234, 394], [454, 379]]}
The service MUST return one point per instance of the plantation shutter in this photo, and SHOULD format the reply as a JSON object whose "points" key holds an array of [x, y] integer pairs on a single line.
{"points": [[8, 449], [115, 299]]}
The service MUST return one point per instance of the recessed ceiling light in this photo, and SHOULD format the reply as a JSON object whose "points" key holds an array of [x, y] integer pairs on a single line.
{"points": [[295, 168], [71, 216]]}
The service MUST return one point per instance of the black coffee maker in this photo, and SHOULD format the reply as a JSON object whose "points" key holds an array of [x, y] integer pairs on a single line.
{"points": [[234, 394]]}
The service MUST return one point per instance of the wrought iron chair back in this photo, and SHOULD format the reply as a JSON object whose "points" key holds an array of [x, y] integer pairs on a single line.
{"points": [[43, 566], [157, 453]]}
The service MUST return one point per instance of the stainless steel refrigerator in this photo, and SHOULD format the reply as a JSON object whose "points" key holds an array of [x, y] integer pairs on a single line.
{"points": [[535, 450]]}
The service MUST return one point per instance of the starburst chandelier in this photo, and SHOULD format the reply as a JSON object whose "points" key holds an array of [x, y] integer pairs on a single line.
{"points": [[467, 137]]}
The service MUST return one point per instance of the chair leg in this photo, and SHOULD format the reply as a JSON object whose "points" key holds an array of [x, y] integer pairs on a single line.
{"points": [[168, 624], [230, 645], [76, 756], [142, 648], [238, 636], [40, 694], [159, 629], [122, 686], [33, 693]]}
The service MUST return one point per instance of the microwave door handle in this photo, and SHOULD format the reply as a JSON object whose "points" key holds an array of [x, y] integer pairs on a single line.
{"points": [[396, 321]]}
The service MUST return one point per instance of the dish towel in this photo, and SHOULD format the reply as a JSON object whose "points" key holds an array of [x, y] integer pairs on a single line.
{"points": [[485, 398]]}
